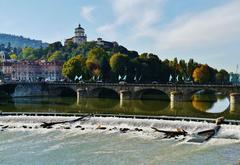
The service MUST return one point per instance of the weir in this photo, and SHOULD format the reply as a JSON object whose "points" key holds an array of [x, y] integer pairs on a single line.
{"points": [[170, 118]]}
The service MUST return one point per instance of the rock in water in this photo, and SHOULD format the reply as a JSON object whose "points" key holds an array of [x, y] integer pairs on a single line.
{"points": [[124, 130], [219, 120], [100, 127]]}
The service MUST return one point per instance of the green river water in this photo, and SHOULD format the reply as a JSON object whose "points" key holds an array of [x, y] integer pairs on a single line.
{"points": [[205, 106]]}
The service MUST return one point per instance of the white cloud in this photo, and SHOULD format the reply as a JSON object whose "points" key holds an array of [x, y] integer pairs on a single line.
{"points": [[211, 28], [86, 12], [194, 34], [108, 30], [137, 15], [207, 35]]}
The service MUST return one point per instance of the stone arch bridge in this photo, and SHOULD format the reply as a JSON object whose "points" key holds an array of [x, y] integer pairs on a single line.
{"points": [[179, 92]]}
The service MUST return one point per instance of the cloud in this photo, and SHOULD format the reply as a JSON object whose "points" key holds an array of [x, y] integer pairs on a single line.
{"points": [[108, 30], [132, 15], [212, 28], [86, 12]]}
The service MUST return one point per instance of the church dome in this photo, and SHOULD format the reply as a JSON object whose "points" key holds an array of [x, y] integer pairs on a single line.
{"points": [[79, 27]]}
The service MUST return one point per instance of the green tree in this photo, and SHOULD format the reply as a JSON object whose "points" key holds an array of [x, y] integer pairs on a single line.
{"points": [[95, 59], [55, 46], [28, 54], [13, 56], [182, 71], [57, 55], [150, 67], [222, 76], [74, 67], [119, 63], [174, 67], [165, 71]]}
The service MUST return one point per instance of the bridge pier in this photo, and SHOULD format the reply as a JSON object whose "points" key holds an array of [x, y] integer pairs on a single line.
{"points": [[235, 98], [176, 96], [125, 105], [125, 95], [174, 106], [234, 101], [81, 93]]}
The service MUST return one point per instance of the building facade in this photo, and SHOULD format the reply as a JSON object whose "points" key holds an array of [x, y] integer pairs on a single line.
{"points": [[34, 71], [106, 44], [79, 37], [6, 69]]}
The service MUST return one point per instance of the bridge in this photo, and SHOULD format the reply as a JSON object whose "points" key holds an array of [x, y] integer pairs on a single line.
{"points": [[174, 92]]}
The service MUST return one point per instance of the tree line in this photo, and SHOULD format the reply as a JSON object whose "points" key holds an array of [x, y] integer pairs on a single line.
{"points": [[94, 62], [99, 64]]}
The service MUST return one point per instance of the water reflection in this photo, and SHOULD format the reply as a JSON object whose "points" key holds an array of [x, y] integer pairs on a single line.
{"points": [[235, 109], [150, 105], [210, 103], [201, 106], [220, 106]]}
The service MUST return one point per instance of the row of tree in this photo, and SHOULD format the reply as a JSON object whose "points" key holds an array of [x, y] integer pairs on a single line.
{"points": [[145, 68], [95, 62]]}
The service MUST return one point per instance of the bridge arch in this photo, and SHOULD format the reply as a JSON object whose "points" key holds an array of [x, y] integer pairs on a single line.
{"points": [[197, 93], [63, 91], [151, 93], [104, 92]]}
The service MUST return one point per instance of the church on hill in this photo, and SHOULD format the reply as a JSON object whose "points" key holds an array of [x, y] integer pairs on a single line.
{"points": [[80, 36]]}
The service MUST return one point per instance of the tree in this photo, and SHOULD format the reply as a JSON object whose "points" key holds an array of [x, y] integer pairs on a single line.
{"points": [[95, 59], [28, 54], [174, 67], [201, 74], [74, 67], [119, 63], [57, 55], [55, 46], [182, 71], [13, 56], [150, 66], [85, 48], [222, 76], [191, 66], [165, 71]]}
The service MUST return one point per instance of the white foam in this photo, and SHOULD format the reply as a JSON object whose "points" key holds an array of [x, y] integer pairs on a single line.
{"points": [[230, 132]]}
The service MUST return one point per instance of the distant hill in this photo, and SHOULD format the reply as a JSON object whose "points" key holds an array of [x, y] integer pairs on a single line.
{"points": [[20, 41]]}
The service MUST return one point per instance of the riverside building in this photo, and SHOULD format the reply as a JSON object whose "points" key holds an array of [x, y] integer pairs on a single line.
{"points": [[34, 71]]}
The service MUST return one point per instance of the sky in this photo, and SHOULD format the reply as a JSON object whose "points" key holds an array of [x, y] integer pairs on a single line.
{"points": [[205, 30]]}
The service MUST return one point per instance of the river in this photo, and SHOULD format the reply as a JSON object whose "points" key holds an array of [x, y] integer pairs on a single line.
{"points": [[23, 146], [205, 106]]}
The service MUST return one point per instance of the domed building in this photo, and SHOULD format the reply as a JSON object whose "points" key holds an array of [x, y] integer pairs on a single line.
{"points": [[80, 36]]}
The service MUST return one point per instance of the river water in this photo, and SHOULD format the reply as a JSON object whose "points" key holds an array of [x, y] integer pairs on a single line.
{"points": [[204, 107], [58, 145]]}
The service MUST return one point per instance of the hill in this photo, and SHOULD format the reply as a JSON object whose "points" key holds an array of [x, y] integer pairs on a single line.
{"points": [[20, 41]]}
